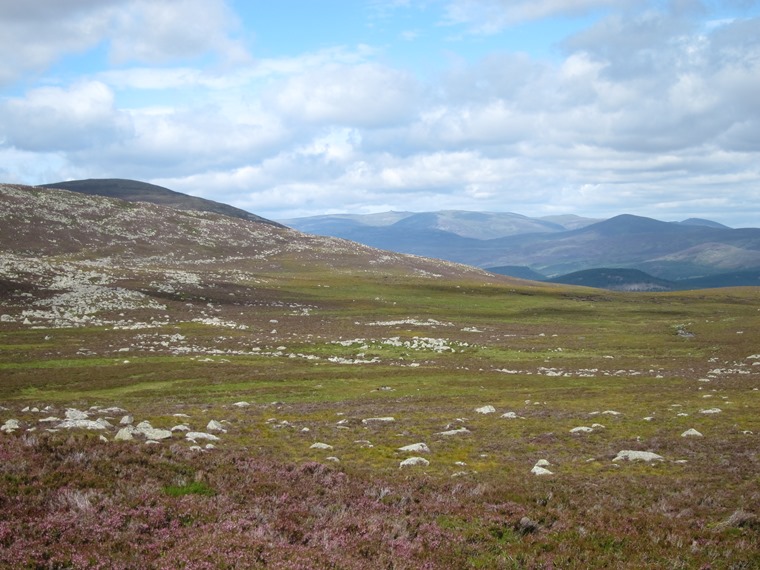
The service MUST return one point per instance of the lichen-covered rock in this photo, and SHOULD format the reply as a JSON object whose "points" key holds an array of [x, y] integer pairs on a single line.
{"points": [[414, 461], [384, 420], [447, 433], [415, 448], [538, 470], [691, 433], [320, 445], [631, 455], [486, 410], [10, 426], [124, 434], [194, 435], [582, 429], [214, 425]]}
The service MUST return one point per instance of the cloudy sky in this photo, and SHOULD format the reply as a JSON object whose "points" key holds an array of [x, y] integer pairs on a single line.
{"points": [[305, 107]]}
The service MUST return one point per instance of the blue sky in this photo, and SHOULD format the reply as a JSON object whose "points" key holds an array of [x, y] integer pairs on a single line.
{"points": [[295, 108]]}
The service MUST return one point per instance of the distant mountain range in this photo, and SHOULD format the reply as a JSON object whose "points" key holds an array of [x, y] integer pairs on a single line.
{"points": [[688, 254]]}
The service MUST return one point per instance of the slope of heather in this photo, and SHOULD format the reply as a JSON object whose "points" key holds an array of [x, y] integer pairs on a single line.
{"points": [[183, 389], [136, 191]]}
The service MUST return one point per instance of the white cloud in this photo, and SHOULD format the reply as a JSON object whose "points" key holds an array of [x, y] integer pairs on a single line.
{"points": [[492, 16], [364, 95], [56, 119], [39, 33]]}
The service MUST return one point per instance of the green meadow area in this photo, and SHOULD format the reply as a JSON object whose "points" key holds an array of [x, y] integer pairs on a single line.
{"points": [[491, 376]]}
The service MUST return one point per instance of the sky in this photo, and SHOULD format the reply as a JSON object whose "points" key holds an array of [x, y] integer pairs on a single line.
{"points": [[305, 107]]}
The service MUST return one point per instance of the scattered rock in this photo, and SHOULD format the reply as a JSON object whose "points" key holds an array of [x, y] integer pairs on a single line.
{"points": [[127, 420], [10, 426], [486, 410], [74, 414], [333, 459], [414, 461], [582, 429], [510, 416], [180, 427], [378, 420], [447, 433], [537, 470], [193, 435], [320, 445], [214, 425], [527, 526], [125, 434], [83, 424], [241, 404], [691, 433], [711, 411], [611, 413], [416, 448], [542, 463], [631, 455], [154, 434]]}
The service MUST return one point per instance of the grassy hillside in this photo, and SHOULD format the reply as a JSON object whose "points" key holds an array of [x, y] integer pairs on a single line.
{"points": [[290, 340]]}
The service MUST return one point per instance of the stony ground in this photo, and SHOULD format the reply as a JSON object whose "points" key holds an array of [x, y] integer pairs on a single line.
{"points": [[253, 397]]}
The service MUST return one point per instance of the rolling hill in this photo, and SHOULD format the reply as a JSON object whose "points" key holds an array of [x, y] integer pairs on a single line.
{"points": [[136, 191]]}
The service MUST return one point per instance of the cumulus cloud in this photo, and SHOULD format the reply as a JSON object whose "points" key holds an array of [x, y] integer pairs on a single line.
{"points": [[57, 119], [37, 34], [364, 95]]}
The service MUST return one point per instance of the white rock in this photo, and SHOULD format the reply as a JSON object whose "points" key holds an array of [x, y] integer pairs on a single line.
{"points": [[416, 448], [454, 431], [210, 446], [127, 420], [74, 414], [320, 445], [711, 411], [542, 463], [144, 425], [50, 419], [10, 426], [82, 424], [581, 429], [154, 433], [414, 461], [388, 419], [612, 413], [181, 427], [333, 459], [214, 425], [201, 435], [691, 433], [510, 416], [241, 404], [648, 418], [631, 455], [486, 410], [124, 434], [305, 430], [597, 426], [537, 470]]}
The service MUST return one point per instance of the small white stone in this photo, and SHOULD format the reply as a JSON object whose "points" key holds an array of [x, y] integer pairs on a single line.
{"points": [[486, 410], [193, 435], [416, 448], [447, 433], [542, 463], [241, 404], [540, 471], [214, 425], [510, 415], [691, 433], [630, 455], [320, 445], [711, 411], [388, 419], [414, 461], [581, 429], [127, 420]]}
